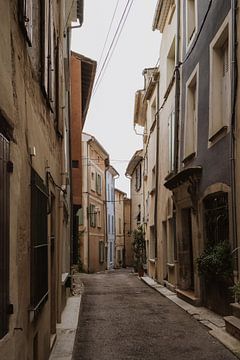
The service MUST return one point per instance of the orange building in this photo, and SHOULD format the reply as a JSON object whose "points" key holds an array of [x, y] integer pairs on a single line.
{"points": [[83, 72]]}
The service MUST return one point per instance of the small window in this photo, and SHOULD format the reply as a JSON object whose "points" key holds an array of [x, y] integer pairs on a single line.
{"points": [[171, 142], [191, 115], [75, 163], [138, 174], [92, 215], [220, 83], [191, 20], [98, 184], [101, 252]]}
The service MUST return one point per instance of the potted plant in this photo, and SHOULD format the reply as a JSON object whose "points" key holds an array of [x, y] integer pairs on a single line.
{"points": [[139, 250], [215, 266]]}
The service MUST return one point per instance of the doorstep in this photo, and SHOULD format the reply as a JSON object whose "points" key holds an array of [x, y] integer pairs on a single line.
{"points": [[213, 322], [188, 296]]}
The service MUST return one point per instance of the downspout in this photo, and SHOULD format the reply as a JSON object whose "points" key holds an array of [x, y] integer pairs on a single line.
{"points": [[106, 213], [177, 92], [234, 84], [88, 211], [156, 183]]}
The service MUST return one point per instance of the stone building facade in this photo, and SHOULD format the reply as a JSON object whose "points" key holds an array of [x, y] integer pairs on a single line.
{"points": [[34, 177]]}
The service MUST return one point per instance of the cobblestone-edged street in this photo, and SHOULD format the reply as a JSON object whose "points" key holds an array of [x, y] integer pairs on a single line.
{"points": [[122, 318]]}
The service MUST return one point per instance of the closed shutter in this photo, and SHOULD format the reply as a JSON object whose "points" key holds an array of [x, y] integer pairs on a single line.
{"points": [[51, 68], [26, 18], [45, 45], [4, 235]]}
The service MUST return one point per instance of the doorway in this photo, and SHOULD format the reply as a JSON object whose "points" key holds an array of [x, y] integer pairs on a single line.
{"points": [[186, 253]]}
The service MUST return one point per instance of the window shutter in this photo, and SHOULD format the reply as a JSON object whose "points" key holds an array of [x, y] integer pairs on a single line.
{"points": [[51, 68], [45, 46], [26, 18], [4, 235]]}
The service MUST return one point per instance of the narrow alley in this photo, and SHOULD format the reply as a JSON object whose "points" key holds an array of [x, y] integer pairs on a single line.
{"points": [[122, 318]]}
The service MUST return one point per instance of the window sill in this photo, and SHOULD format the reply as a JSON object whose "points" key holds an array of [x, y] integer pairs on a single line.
{"points": [[189, 157], [218, 135], [152, 261], [170, 265]]}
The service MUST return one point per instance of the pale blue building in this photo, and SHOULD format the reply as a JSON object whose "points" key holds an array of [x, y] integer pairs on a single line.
{"points": [[111, 175]]}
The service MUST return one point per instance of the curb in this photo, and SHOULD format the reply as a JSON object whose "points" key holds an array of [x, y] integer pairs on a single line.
{"points": [[66, 330]]}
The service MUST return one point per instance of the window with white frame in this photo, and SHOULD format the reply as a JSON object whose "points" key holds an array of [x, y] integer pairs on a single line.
{"points": [[171, 142], [191, 115], [191, 19], [220, 89]]}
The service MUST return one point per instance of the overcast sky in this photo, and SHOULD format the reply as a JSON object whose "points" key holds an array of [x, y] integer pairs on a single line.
{"points": [[110, 115]]}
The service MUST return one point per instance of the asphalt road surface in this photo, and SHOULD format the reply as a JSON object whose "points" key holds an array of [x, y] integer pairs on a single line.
{"points": [[121, 318]]}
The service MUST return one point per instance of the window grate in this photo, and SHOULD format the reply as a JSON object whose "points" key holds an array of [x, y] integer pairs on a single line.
{"points": [[39, 241], [4, 235]]}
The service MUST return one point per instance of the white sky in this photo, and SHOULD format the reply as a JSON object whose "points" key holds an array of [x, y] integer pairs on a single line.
{"points": [[110, 115]]}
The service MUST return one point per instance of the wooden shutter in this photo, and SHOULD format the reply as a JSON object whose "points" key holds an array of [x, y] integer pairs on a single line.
{"points": [[26, 18], [45, 45], [4, 235], [51, 68]]}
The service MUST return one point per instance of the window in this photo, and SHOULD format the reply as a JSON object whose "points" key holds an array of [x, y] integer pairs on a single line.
{"points": [[220, 89], [153, 178], [101, 252], [26, 19], [153, 111], [109, 223], [112, 224], [111, 252], [171, 142], [191, 20], [138, 175], [190, 126], [216, 218], [152, 250], [92, 215], [119, 225], [93, 181], [99, 218], [49, 56], [4, 235], [171, 63], [98, 184], [139, 215], [75, 163], [39, 241]]}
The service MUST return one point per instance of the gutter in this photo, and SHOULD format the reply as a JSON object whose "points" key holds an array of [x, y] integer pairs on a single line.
{"points": [[177, 92], [234, 84]]}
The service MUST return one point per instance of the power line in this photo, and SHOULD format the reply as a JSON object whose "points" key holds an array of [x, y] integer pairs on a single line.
{"points": [[110, 26], [112, 43], [99, 82]]}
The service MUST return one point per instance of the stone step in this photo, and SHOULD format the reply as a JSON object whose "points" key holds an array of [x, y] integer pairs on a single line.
{"points": [[189, 296], [235, 309], [232, 324]]}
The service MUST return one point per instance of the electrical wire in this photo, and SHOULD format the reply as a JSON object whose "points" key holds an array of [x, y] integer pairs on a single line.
{"points": [[110, 56], [110, 27], [112, 43]]}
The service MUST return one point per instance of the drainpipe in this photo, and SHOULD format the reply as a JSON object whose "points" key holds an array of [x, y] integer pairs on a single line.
{"points": [[177, 92], [88, 210], [234, 83], [156, 182]]}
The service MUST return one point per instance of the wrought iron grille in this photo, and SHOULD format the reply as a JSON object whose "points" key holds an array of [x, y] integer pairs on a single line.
{"points": [[216, 218], [4, 235], [39, 241]]}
